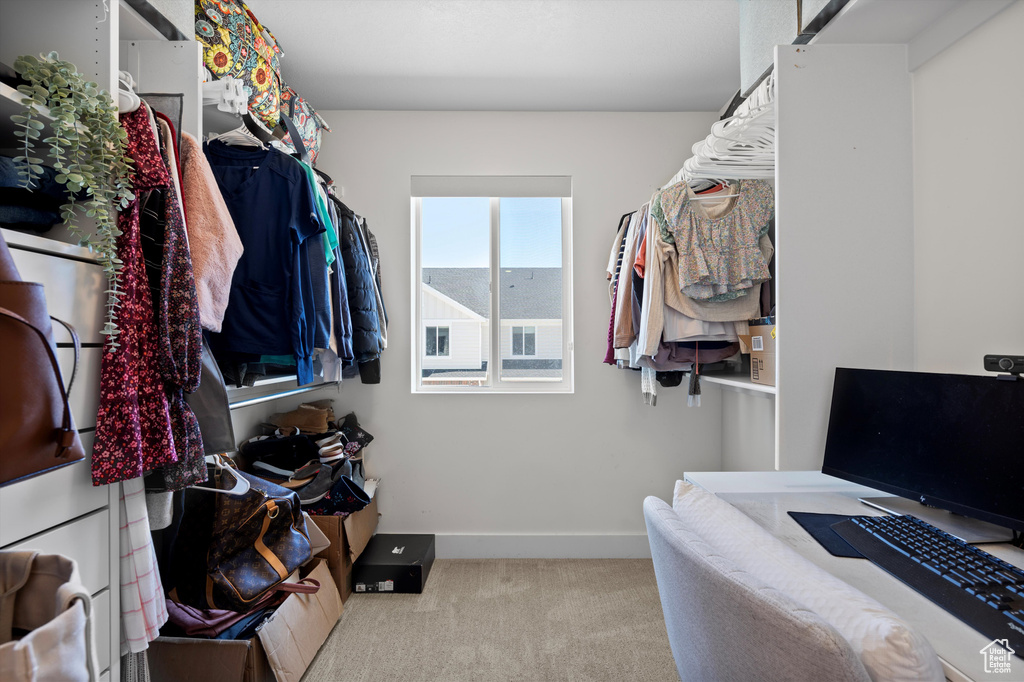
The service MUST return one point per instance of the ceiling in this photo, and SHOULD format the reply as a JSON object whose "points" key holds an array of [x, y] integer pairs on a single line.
{"points": [[508, 55]]}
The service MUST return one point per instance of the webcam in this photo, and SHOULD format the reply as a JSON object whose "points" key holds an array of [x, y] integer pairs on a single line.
{"points": [[1013, 364]]}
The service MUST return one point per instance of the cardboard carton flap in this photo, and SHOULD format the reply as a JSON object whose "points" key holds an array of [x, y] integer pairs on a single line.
{"points": [[359, 527], [294, 634], [318, 542]]}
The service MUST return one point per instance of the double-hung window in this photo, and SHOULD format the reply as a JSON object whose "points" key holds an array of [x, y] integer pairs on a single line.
{"points": [[492, 284]]}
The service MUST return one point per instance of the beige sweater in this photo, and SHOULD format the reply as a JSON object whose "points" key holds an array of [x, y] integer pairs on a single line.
{"points": [[212, 238]]}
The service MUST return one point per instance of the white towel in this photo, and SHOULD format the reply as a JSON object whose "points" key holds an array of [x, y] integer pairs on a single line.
{"points": [[143, 609]]}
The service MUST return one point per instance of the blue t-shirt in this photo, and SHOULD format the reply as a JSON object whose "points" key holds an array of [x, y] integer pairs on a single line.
{"points": [[271, 307]]}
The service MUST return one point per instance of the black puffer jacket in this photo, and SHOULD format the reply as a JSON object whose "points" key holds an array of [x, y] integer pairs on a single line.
{"points": [[362, 298]]}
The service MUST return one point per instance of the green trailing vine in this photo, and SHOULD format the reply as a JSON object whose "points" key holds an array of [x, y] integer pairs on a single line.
{"points": [[87, 147]]}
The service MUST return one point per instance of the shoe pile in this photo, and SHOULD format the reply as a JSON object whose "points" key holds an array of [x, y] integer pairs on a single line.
{"points": [[321, 459]]}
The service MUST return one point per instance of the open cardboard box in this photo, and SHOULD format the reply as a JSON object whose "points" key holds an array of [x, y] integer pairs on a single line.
{"points": [[282, 649], [348, 537], [761, 342]]}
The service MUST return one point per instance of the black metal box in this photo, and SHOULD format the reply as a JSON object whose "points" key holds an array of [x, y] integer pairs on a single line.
{"points": [[394, 563]]}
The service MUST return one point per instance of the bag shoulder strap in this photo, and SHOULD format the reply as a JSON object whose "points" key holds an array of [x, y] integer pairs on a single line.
{"points": [[296, 138], [65, 435]]}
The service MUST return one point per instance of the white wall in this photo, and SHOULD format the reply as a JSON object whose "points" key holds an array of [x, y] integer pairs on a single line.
{"points": [[518, 475], [968, 221]]}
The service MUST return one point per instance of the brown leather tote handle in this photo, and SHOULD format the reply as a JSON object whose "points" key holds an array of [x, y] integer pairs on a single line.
{"points": [[304, 586], [66, 435]]}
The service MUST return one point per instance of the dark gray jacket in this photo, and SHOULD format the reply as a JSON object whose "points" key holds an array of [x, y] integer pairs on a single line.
{"points": [[362, 297]]}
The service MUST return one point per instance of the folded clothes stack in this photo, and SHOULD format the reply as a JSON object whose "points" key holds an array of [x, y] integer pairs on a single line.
{"points": [[315, 455], [35, 209]]}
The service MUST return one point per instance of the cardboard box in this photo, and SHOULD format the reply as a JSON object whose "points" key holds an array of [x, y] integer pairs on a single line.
{"points": [[761, 342], [395, 563], [282, 649], [348, 537]]}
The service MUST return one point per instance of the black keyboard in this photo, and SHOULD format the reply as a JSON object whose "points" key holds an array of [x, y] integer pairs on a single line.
{"points": [[983, 591]]}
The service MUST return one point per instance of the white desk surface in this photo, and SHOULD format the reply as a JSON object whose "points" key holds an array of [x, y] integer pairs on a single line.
{"points": [[957, 644]]}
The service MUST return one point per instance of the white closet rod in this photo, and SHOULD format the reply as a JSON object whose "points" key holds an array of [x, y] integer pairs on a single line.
{"points": [[275, 396]]}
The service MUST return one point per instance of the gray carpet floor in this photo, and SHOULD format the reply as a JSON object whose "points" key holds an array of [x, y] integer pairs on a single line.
{"points": [[530, 620]]}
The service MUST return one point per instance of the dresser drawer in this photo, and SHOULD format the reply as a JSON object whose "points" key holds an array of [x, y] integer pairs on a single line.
{"points": [[35, 504], [74, 291], [86, 540], [102, 628]]}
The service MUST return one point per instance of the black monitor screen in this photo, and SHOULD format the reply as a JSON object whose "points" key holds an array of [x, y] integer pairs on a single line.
{"points": [[948, 440]]}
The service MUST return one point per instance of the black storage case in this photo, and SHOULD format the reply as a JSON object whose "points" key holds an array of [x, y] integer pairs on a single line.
{"points": [[394, 563]]}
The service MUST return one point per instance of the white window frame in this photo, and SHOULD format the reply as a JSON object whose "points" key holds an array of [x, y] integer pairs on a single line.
{"points": [[495, 188], [437, 328], [512, 341]]}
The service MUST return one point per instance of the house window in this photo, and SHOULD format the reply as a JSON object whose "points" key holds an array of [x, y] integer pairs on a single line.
{"points": [[492, 269], [437, 342], [524, 340]]}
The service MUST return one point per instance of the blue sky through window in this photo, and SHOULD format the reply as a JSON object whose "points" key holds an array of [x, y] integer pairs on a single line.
{"points": [[455, 232]]}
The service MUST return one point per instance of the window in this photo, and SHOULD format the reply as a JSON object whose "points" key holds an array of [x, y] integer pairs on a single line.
{"points": [[437, 342], [492, 284], [524, 340]]}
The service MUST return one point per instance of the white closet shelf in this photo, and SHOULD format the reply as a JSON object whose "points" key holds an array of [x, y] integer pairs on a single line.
{"points": [[10, 103], [737, 382], [45, 245]]}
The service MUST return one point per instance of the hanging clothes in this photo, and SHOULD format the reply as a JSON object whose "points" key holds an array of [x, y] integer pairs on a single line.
{"points": [[373, 259], [341, 322], [133, 423], [271, 309], [741, 308], [179, 334], [717, 240], [213, 241], [362, 298], [614, 264]]}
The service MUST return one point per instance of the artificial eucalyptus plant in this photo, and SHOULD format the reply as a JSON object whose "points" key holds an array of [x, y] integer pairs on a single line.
{"points": [[87, 147]]}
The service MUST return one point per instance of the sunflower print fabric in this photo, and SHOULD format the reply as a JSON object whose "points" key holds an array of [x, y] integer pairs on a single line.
{"points": [[236, 45]]}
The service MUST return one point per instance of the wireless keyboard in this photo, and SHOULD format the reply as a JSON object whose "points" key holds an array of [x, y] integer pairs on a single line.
{"points": [[983, 591]]}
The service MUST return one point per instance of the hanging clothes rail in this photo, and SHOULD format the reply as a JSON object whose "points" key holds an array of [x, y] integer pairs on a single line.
{"points": [[274, 396]]}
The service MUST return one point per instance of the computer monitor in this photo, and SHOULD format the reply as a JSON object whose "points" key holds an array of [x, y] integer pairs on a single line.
{"points": [[948, 440]]}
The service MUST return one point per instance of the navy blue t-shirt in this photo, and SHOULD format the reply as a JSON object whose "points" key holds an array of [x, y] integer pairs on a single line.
{"points": [[271, 307]]}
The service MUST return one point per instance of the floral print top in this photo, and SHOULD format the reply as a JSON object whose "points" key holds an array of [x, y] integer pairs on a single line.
{"points": [[717, 241]]}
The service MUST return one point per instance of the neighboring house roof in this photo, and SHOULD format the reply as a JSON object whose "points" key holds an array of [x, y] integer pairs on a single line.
{"points": [[526, 293], [468, 312]]}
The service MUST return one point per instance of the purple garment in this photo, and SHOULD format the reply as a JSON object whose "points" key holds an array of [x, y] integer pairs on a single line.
{"points": [[679, 355], [209, 623], [609, 356]]}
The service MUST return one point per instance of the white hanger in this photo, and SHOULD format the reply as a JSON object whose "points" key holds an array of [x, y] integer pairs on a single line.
{"points": [[240, 137], [127, 100], [727, 191], [741, 147], [241, 485]]}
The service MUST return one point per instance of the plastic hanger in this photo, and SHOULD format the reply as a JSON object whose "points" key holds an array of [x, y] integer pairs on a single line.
{"points": [[220, 463], [248, 134], [127, 100]]}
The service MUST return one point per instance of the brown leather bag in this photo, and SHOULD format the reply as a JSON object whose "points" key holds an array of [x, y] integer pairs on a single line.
{"points": [[37, 431]]}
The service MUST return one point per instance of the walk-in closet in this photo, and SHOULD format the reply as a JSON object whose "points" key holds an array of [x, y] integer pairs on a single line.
{"points": [[393, 315]]}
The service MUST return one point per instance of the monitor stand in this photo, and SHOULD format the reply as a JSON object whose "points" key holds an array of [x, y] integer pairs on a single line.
{"points": [[964, 527]]}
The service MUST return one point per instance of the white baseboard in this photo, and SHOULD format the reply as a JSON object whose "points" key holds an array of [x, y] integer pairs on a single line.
{"points": [[460, 546]]}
